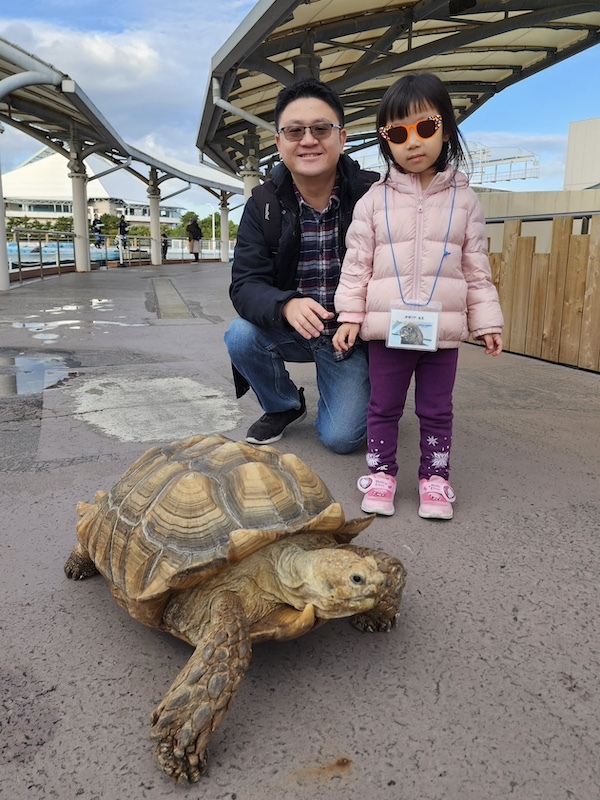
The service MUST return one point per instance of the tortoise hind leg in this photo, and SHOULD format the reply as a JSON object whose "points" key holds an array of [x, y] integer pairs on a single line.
{"points": [[202, 692], [79, 565], [384, 616]]}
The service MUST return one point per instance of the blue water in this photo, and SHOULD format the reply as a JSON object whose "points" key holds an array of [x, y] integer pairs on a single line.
{"points": [[30, 253]]}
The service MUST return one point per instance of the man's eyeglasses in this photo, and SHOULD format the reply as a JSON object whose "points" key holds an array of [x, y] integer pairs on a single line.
{"points": [[322, 130], [424, 128]]}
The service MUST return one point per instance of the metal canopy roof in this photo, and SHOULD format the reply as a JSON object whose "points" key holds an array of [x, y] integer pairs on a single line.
{"points": [[360, 47], [48, 105]]}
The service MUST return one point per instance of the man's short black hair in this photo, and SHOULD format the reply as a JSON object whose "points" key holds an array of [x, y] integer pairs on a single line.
{"points": [[308, 87]]}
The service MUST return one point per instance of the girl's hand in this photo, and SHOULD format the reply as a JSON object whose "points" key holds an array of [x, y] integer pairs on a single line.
{"points": [[493, 344], [345, 336]]}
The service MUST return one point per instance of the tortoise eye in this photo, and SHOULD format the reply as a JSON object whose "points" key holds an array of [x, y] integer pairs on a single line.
{"points": [[356, 579]]}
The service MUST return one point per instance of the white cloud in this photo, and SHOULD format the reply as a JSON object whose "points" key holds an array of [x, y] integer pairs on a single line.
{"points": [[147, 80]]}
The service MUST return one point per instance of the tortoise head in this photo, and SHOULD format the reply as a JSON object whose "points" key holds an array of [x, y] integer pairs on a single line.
{"points": [[339, 583]]}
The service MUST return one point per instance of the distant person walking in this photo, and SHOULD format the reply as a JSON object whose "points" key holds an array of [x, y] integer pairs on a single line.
{"points": [[123, 229], [164, 244], [194, 238], [96, 230]]}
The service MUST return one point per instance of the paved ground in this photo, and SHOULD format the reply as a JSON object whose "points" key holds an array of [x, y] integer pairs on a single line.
{"points": [[489, 687]]}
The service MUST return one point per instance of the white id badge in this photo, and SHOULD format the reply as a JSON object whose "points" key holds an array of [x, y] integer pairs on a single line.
{"points": [[413, 327]]}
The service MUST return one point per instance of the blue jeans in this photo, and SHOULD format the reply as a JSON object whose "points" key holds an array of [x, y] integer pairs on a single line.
{"points": [[260, 354]]}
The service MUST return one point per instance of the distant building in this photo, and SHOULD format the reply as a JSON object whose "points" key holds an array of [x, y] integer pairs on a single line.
{"points": [[582, 168], [41, 189]]}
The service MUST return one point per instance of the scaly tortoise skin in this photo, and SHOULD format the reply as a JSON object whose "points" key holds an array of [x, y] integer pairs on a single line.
{"points": [[224, 544]]}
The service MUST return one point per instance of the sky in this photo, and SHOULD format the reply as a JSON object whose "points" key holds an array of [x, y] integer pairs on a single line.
{"points": [[145, 65]]}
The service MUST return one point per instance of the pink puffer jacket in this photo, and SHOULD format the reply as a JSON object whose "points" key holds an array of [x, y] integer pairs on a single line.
{"points": [[418, 223]]}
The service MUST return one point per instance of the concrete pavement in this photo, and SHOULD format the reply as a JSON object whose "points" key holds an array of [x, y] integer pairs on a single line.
{"points": [[488, 689]]}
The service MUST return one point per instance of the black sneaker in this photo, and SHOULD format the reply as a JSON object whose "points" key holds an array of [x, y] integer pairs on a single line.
{"points": [[270, 427]]}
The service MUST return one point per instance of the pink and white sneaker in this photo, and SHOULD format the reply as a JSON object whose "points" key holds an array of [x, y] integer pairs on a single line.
{"points": [[437, 497], [379, 493]]}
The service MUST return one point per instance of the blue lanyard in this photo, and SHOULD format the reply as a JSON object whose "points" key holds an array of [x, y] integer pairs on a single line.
{"points": [[444, 252]]}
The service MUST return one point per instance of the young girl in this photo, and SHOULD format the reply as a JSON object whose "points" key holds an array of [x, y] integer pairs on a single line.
{"points": [[416, 282]]}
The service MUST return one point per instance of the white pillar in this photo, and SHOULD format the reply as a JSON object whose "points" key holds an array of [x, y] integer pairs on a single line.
{"points": [[81, 233], [250, 172], [4, 276], [154, 197], [224, 212], [251, 178]]}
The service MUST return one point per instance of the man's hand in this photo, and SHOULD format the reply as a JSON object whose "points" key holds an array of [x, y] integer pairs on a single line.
{"points": [[306, 316], [345, 336]]}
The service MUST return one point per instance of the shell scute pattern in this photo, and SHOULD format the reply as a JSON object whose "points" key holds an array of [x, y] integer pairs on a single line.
{"points": [[259, 496], [315, 495], [169, 520]]}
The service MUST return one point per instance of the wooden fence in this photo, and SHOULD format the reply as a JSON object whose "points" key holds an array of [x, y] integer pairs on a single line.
{"points": [[551, 301]]}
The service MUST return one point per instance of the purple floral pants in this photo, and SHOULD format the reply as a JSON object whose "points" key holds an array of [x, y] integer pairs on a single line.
{"points": [[390, 373]]}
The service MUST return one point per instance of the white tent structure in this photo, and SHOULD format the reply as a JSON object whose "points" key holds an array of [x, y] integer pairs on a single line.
{"points": [[40, 188]]}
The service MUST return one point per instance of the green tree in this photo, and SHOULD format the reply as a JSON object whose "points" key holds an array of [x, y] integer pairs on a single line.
{"points": [[139, 230], [62, 224], [109, 224], [179, 232], [38, 225], [16, 222]]}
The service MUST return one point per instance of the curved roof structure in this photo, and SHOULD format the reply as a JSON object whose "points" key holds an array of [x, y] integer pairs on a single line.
{"points": [[360, 47], [49, 106]]}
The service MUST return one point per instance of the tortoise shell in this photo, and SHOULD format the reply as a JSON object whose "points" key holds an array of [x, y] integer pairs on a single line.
{"points": [[187, 510]]}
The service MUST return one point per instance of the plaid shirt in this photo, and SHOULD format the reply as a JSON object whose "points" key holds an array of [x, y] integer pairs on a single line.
{"points": [[319, 264]]}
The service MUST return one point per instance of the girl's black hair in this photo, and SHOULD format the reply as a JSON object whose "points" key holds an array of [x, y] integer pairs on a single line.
{"points": [[412, 93]]}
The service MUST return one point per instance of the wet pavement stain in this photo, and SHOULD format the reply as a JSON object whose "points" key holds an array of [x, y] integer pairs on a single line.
{"points": [[27, 374]]}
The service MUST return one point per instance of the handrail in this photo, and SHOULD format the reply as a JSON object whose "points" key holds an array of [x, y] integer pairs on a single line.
{"points": [[544, 217]]}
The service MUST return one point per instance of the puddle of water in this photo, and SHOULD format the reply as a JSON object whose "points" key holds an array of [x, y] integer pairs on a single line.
{"points": [[97, 303], [121, 324], [21, 375], [40, 330], [47, 326]]}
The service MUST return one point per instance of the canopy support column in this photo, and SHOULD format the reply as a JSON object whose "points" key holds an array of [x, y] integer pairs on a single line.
{"points": [[224, 216], [81, 234], [250, 172], [154, 198], [4, 274]]}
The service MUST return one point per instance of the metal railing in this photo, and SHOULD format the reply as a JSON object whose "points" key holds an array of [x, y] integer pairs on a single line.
{"points": [[44, 250], [40, 253]]}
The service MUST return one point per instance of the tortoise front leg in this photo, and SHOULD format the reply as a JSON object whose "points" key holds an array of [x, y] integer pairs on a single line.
{"points": [[384, 616], [202, 692]]}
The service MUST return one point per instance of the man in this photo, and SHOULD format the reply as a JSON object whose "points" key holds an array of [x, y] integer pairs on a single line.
{"points": [[96, 229], [123, 230], [284, 294]]}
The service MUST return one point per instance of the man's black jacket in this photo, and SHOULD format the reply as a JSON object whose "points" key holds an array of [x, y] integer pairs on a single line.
{"points": [[263, 280]]}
